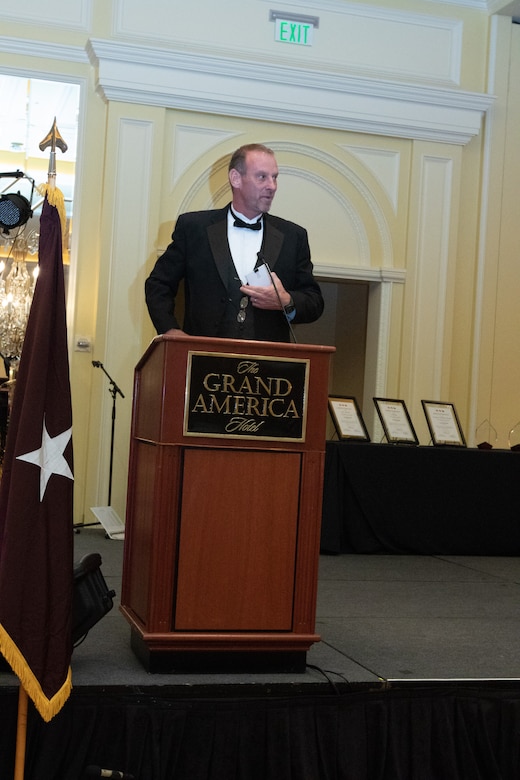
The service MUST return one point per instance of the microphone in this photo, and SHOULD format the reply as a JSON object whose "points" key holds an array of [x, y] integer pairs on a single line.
{"points": [[115, 388], [96, 771], [262, 259]]}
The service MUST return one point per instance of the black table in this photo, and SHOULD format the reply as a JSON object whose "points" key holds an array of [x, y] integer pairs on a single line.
{"points": [[420, 500]]}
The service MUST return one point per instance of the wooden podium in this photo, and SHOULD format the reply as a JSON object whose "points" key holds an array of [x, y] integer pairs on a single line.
{"points": [[224, 503]]}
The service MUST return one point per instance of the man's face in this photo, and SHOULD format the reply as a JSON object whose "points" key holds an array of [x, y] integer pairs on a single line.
{"points": [[254, 190]]}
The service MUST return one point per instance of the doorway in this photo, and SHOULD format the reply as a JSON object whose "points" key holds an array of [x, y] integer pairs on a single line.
{"points": [[343, 325]]}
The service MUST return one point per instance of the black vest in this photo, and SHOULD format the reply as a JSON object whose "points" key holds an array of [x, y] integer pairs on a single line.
{"points": [[229, 327]]}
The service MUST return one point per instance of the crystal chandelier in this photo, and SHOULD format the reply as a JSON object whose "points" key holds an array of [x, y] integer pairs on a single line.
{"points": [[16, 292]]}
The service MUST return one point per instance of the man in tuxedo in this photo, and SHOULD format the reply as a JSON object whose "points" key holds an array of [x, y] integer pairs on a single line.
{"points": [[216, 252]]}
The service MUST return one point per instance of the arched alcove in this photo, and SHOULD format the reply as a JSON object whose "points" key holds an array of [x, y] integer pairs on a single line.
{"points": [[346, 210]]}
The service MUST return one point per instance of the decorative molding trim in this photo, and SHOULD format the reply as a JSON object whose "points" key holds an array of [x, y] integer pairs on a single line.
{"points": [[224, 85], [54, 51], [383, 343], [190, 141], [493, 138], [488, 6], [339, 6], [125, 229], [377, 353], [336, 194], [69, 16], [389, 181], [445, 61], [428, 296], [349, 273], [437, 57], [360, 274], [358, 183]]}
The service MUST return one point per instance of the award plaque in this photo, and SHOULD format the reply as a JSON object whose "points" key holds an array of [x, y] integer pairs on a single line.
{"points": [[396, 421], [347, 419], [443, 424]]}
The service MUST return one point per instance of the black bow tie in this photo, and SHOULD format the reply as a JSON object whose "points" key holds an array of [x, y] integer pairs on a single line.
{"points": [[251, 225]]}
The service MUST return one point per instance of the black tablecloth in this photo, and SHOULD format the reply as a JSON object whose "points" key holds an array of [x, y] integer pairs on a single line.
{"points": [[421, 500]]}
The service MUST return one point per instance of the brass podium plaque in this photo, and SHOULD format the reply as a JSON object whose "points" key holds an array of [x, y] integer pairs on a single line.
{"points": [[246, 396]]}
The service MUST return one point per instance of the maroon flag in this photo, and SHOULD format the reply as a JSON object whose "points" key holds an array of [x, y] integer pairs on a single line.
{"points": [[36, 493]]}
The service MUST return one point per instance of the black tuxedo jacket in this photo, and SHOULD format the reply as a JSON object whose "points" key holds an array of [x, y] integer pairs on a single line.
{"points": [[199, 254]]}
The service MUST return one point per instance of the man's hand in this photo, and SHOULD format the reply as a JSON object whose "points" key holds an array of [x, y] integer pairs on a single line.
{"points": [[266, 297]]}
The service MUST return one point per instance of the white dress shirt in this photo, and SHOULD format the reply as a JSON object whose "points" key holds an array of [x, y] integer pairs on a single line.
{"points": [[244, 245]]}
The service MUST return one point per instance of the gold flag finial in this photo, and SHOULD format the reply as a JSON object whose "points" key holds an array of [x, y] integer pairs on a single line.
{"points": [[53, 139], [55, 197]]}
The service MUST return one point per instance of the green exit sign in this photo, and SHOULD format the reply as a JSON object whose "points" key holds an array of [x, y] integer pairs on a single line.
{"points": [[300, 33]]}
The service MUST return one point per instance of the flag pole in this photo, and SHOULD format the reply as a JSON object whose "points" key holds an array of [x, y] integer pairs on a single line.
{"points": [[53, 139], [21, 734]]}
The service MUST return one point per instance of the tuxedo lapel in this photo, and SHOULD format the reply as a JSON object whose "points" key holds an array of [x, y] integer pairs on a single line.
{"points": [[272, 243], [217, 236]]}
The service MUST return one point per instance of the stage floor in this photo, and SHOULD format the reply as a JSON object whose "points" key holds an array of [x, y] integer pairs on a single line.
{"points": [[382, 619]]}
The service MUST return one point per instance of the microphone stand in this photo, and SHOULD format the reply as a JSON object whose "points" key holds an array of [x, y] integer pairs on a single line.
{"points": [[114, 390]]}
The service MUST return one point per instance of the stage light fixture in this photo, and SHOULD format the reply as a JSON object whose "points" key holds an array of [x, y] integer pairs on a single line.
{"points": [[15, 210]]}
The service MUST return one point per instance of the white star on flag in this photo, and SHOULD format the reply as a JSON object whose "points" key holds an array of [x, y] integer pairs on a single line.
{"points": [[49, 457]]}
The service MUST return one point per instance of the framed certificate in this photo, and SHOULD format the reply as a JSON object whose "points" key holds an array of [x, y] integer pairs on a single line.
{"points": [[443, 424], [347, 419], [396, 421]]}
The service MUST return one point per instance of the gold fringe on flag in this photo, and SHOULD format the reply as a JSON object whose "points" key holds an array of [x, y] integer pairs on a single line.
{"points": [[56, 198], [47, 708]]}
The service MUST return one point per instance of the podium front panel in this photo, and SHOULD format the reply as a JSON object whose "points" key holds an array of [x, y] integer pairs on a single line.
{"points": [[237, 544]]}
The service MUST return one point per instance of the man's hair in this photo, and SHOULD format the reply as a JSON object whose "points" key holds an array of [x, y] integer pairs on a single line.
{"points": [[238, 158]]}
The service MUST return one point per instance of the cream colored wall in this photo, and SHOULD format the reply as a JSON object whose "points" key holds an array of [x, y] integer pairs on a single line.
{"points": [[497, 317], [84, 294], [429, 291], [393, 205], [389, 179], [355, 183]]}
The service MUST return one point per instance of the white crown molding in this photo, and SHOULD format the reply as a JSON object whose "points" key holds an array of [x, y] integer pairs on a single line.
{"points": [[478, 5], [30, 48], [339, 6], [488, 6], [273, 92]]}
